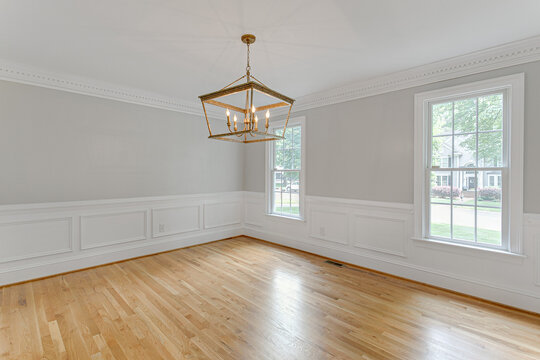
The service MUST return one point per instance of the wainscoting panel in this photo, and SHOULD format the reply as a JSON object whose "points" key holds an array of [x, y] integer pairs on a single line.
{"points": [[39, 240], [19, 240], [222, 214], [330, 224], [112, 228], [537, 241], [382, 233], [175, 220], [253, 213]]}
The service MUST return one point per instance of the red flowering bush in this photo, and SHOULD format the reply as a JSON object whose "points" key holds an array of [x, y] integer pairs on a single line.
{"points": [[489, 193], [444, 191]]}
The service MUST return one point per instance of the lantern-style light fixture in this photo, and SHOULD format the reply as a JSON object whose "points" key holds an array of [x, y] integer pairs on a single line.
{"points": [[244, 103]]}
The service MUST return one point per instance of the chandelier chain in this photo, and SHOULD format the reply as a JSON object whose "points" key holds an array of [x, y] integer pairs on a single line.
{"points": [[248, 67]]}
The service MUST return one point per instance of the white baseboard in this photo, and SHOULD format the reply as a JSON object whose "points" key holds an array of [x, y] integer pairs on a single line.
{"points": [[52, 267], [512, 297]]}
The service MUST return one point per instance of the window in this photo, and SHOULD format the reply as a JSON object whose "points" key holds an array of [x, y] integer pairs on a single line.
{"points": [[494, 180], [469, 164], [443, 180], [446, 161], [285, 175]]}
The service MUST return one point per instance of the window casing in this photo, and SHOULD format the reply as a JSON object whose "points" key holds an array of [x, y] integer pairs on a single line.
{"points": [[285, 180], [469, 164]]}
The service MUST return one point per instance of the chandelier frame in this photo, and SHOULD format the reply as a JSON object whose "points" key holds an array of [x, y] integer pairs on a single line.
{"points": [[249, 133]]}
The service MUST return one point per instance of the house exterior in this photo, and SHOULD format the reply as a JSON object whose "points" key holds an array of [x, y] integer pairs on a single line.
{"points": [[465, 180]]}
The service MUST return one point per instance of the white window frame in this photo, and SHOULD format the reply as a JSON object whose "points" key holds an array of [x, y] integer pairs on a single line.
{"points": [[270, 165], [513, 86]]}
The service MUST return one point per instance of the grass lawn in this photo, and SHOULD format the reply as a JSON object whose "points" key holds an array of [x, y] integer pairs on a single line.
{"points": [[485, 236], [294, 210], [469, 201]]}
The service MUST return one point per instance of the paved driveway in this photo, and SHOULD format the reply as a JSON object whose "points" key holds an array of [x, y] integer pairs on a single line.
{"points": [[464, 216]]}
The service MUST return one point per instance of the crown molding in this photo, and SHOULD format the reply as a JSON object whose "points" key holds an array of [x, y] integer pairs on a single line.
{"points": [[515, 53], [33, 76]]}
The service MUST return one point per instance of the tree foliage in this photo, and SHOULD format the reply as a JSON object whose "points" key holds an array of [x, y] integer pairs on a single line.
{"points": [[460, 117], [287, 155]]}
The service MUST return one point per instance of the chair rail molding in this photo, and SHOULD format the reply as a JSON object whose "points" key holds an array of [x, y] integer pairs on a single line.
{"points": [[514, 53]]}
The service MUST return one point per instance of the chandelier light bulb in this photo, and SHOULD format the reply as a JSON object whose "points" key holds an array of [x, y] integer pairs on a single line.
{"points": [[228, 113], [253, 108], [267, 114]]}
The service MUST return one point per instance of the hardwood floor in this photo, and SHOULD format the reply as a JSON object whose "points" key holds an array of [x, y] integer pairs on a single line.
{"points": [[246, 299]]}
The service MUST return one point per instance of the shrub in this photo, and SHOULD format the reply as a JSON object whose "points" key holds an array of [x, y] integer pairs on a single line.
{"points": [[444, 191], [489, 193]]}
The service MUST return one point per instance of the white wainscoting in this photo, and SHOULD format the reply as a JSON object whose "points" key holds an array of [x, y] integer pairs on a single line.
{"points": [[381, 231], [27, 239], [330, 224], [104, 229], [39, 240], [223, 213], [532, 227], [377, 235], [44, 239], [176, 220], [254, 212]]}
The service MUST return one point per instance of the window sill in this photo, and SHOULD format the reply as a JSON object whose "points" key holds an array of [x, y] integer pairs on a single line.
{"points": [[464, 249], [286, 218]]}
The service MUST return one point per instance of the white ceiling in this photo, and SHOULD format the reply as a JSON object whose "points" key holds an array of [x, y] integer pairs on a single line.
{"points": [[182, 49]]}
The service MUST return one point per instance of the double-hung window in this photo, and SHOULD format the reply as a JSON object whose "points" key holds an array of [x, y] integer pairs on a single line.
{"points": [[285, 170], [469, 164]]}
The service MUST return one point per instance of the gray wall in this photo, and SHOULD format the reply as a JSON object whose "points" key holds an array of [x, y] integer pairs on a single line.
{"points": [[363, 149], [60, 146]]}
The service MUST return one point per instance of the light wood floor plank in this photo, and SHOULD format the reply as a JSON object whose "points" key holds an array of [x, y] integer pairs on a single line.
{"points": [[247, 299]]}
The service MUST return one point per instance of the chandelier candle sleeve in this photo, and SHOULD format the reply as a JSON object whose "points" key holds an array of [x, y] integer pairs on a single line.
{"points": [[265, 99]]}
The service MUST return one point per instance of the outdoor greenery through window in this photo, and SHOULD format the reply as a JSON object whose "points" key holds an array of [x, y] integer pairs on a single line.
{"points": [[466, 170], [285, 173]]}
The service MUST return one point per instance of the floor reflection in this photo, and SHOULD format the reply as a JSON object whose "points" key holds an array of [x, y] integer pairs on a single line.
{"points": [[287, 304]]}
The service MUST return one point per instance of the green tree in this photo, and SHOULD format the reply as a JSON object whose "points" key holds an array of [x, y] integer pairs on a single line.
{"points": [[287, 155], [490, 118], [464, 115], [441, 115]]}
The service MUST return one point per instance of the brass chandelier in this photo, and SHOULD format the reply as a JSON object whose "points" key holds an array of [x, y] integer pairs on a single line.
{"points": [[258, 99]]}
